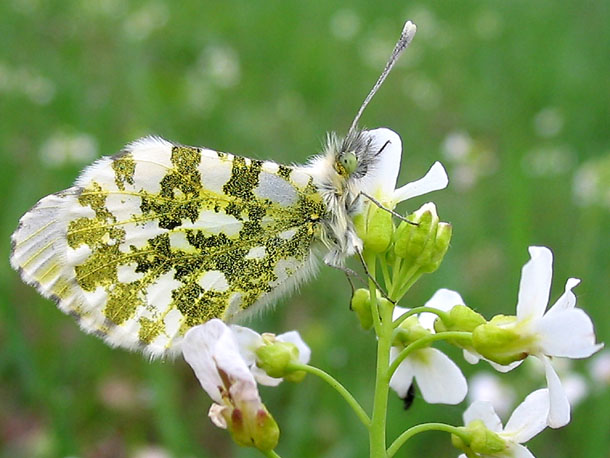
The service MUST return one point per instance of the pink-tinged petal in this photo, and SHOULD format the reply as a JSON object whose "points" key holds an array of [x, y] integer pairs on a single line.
{"points": [[517, 451], [443, 299], [247, 341], [435, 179], [380, 181], [529, 418], [294, 337], [216, 415], [484, 411], [439, 379], [535, 284], [567, 300], [568, 333], [403, 376], [559, 409], [211, 347]]}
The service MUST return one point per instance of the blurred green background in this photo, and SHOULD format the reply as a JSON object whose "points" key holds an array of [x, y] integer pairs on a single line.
{"points": [[512, 96]]}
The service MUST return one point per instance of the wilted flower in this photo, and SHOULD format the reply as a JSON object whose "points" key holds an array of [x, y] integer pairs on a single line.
{"points": [[211, 350]]}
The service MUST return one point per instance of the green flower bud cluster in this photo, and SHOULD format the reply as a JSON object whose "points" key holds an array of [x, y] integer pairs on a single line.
{"points": [[425, 242], [415, 247]]}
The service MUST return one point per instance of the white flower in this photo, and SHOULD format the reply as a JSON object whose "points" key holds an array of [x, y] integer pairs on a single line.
{"points": [[212, 351], [527, 420], [249, 341], [484, 386], [563, 331], [381, 181], [439, 379]]}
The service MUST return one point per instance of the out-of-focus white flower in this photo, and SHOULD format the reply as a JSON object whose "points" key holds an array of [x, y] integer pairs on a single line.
{"points": [[527, 420], [548, 161], [345, 24], [219, 63], [563, 331], [484, 386], [62, 148], [469, 159], [548, 122], [591, 184], [439, 379], [600, 368], [145, 20]]}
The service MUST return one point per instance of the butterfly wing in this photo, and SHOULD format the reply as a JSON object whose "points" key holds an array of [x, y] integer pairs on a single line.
{"points": [[162, 237]]}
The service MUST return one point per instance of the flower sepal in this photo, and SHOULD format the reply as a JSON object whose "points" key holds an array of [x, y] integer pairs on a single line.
{"points": [[253, 427], [476, 438], [500, 342]]}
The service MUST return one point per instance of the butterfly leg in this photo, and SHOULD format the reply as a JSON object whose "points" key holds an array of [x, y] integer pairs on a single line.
{"points": [[392, 212]]}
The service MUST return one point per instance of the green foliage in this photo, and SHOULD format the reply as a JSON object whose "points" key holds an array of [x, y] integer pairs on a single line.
{"points": [[527, 82]]}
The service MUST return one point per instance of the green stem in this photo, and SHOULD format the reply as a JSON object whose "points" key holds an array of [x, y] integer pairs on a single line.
{"points": [[270, 453], [409, 433], [423, 342], [444, 315], [377, 429], [364, 418]]}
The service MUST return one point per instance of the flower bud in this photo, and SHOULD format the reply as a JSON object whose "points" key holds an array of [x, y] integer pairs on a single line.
{"points": [[479, 440], [459, 318], [500, 343], [275, 359], [425, 243], [375, 228], [361, 304], [254, 428], [408, 332]]}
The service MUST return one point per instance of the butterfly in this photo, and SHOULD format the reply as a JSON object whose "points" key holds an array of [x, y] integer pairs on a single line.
{"points": [[162, 237]]}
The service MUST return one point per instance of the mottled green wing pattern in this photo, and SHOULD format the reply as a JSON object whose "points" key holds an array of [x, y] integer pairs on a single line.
{"points": [[163, 237]]}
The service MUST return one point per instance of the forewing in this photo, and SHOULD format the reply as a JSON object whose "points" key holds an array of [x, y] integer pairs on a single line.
{"points": [[162, 237]]}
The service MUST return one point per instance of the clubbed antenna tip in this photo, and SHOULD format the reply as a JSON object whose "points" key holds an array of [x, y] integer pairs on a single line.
{"points": [[406, 36]]}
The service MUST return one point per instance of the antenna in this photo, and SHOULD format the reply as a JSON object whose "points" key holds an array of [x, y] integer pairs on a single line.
{"points": [[407, 34]]}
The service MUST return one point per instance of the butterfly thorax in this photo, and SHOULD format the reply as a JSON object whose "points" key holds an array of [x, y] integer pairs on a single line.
{"points": [[337, 175]]}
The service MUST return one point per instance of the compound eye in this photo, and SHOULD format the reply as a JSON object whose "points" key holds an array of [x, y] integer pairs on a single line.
{"points": [[349, 161]]}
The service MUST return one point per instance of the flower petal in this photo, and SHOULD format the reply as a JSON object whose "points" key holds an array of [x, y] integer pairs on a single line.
{"points": [[216, 415], [529, 418], [381, 180], [517, 451], [568, 298], [568, 333], [559, 409], [439, 379], [295, 338], [484, 411], [247, 341], [535, 284], [435, 179], [443, 299], [403, 376]]}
